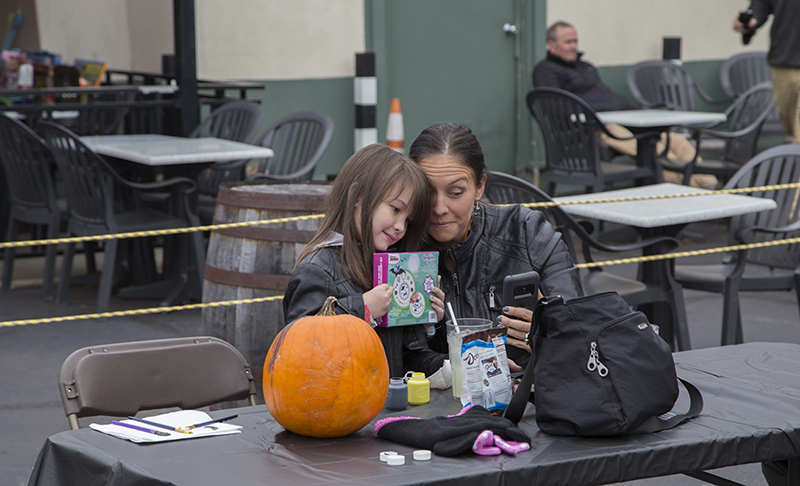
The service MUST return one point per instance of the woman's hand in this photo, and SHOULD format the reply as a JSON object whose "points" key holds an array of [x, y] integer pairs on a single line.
{"points": [[377, 300], [437, 301], [518, 322]]}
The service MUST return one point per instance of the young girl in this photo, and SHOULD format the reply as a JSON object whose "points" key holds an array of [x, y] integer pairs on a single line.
{"points": [[379, 200]]}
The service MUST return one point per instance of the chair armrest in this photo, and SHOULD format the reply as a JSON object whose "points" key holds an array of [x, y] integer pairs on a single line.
{"points": [[746, 234], [152, 186], [672, 243]]}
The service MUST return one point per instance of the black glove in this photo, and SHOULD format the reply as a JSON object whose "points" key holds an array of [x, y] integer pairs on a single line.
{"points": [[455, 434]]}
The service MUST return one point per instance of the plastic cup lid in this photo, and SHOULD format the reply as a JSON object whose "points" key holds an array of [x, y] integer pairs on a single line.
{"points": [[422, 455], [385, 455], [396, 460]]}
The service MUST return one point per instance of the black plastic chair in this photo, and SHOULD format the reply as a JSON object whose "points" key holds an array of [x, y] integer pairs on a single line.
{"points": [[665, 85], [506, 189], [741, 72], [121, 379], [745, 118], [761, 269], [299, 140], [237, 121], [573, 148], [28, 167], [102, 202]]}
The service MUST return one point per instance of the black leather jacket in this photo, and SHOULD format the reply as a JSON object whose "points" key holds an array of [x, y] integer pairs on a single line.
{"points": [[504, 240], [320, 276]]}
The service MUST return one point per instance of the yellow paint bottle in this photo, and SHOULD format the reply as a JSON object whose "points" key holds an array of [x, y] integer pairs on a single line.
{"points": [[419, 389]]}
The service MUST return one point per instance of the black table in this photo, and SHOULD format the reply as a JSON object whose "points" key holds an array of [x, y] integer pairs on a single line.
{"points": [[751, 414]]}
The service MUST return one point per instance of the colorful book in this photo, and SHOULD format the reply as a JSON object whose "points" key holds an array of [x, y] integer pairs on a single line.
{"points": [[91, 72], [413, 276]]}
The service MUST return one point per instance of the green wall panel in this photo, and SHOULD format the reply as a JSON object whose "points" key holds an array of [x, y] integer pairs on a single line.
{"points": [[423, 105], [334, 97]]}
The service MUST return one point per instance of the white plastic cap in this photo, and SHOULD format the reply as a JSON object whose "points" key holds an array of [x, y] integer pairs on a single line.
{"points": [[396, 460], [386, 454], [422, 455]]}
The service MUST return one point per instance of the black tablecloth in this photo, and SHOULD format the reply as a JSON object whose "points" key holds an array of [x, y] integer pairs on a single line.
{"points": [[751, 414]]}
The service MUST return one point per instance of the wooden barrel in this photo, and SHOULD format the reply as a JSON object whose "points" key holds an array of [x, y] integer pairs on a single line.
{"points": [[256, 261]]}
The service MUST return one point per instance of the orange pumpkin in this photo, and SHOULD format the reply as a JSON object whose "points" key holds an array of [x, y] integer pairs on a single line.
{"points": [[326, 375]]}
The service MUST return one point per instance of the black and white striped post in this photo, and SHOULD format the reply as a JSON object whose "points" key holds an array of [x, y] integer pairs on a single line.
{"points": [[366, 100]]}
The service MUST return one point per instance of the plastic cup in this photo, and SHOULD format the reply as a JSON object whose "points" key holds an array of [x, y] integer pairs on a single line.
{"points": [[466, 327]]}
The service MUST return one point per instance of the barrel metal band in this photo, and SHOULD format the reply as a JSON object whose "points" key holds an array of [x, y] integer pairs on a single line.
{"points": [[254, 200], [267, 234], [264, 281]]}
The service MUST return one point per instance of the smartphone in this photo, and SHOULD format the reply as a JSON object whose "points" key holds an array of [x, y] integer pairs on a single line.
{"points": [[744, 18], [521, 290]]}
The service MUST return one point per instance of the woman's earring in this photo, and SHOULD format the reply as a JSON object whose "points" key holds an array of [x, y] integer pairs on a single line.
{"points": [[475, 208]]}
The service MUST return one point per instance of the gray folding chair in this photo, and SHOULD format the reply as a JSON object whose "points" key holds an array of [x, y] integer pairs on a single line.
{"points": [[573, 149], [122, 379], [299, 140], [237, 121], [741, 72], [745, 119], [28, 167], [665, 85], [759, 269], [102, 202], [506, 189]]}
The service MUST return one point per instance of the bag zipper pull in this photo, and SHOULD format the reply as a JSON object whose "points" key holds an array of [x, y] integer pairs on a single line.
{"points": [[594, 361]]}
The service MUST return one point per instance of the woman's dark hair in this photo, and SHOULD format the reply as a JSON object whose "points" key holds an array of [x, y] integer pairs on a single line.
{"points": [[450, 139], [374, 174]]}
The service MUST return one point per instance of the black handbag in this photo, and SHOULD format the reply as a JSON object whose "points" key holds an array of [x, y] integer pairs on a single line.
{"points": [[599, 369]]}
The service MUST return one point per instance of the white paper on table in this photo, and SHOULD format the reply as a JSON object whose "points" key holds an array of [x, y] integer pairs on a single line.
{"points": [[181, 418]]}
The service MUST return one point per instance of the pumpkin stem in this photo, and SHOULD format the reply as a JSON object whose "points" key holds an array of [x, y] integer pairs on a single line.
{"points": [[328, 308]]}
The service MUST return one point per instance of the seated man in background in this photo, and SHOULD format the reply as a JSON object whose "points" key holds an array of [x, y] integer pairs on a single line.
{"points": [[564, 69]]}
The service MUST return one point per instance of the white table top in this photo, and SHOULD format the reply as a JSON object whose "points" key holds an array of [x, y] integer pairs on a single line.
{"points": [[660, 118], [159, 150], [664, 212]]}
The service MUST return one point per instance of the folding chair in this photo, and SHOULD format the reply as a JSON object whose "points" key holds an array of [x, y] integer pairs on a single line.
{"points": [[123, 378]]}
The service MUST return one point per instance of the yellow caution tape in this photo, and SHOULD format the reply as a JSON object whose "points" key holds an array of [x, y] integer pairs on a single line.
{"points": [[192, 229]]}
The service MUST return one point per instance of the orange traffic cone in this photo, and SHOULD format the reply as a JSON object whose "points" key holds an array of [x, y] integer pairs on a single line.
{"points": [[394, 128]]}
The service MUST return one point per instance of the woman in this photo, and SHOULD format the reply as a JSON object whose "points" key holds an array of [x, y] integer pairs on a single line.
{"points": [[481, 244]]}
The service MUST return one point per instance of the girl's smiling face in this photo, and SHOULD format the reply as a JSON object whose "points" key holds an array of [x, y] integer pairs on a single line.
{"points": [[390, 221], [456, 191]]}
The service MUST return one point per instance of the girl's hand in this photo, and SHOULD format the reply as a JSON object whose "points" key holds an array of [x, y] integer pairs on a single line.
{"points": [[377, 300]]}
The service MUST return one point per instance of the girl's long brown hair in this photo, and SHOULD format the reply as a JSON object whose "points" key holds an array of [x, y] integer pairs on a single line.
{"points": [[372, 175]]}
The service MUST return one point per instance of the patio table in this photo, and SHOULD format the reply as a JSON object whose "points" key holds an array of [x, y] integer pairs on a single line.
{"points": [[751, 394], [185, 157], [656, 122], [663, 217]]}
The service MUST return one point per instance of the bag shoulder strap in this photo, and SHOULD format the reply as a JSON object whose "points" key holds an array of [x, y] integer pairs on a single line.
{"points": [[654, 424]]}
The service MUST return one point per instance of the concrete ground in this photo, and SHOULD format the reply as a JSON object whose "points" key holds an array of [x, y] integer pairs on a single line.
{"points": [[31, 356]]}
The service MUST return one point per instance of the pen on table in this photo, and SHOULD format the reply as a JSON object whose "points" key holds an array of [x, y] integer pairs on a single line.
{"points": [[160, 426], [142, 429], [202, 424]]}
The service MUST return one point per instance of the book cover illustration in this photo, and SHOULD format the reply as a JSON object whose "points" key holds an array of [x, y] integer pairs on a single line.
{"points": [[413, 276], [91, 72]]}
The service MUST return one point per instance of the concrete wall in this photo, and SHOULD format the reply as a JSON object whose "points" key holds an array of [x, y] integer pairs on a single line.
{"points": [[278, 39], [623, 32], [89, 29]]}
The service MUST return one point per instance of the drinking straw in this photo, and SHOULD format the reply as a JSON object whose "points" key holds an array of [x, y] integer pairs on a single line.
{"points": [[453, 317]]}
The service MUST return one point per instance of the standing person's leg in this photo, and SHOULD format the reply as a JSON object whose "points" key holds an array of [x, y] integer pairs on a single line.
{"points": [[786, 83]]}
